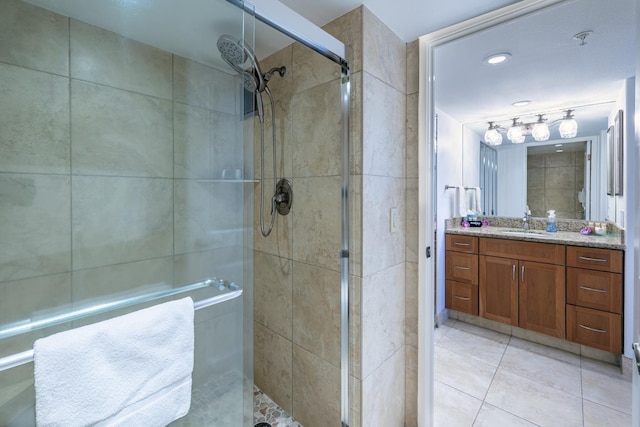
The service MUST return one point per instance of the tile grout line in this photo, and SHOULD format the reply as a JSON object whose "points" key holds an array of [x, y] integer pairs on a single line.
{"points": [[491, 383]]}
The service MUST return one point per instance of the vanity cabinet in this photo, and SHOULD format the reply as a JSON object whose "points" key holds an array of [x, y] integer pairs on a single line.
{"points": [[523, 284], [594, 297], [569, 292], [461, 273]]}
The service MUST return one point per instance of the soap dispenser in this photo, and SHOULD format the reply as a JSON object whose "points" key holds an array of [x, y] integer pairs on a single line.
{"points": [[551, 221]]}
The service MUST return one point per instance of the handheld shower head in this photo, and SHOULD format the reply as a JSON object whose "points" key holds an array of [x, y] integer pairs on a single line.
{"points": [[236, 53]]}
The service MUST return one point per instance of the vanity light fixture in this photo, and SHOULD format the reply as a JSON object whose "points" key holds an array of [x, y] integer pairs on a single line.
{"points": [[498, 58], [568, 126], [540, 130], [492, 136]]}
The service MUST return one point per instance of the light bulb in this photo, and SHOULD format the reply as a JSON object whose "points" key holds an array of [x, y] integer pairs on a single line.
{"points": [[515, 133], [568, 126], [492, 136], [519, 140], [540, 131]]}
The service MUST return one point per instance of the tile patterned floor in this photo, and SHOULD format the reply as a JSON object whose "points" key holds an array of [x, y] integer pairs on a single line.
{"points": [[485, 378], [266, 410]]}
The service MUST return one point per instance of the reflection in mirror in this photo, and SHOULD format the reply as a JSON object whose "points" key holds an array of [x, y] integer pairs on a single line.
{"points": [[556, 177]]}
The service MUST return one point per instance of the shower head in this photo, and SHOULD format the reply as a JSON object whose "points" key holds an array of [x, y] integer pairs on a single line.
{"points": [[236, 53], [232, 52]]}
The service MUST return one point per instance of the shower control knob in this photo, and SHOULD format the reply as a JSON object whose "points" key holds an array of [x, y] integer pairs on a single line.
{"points": [[283, 197]]}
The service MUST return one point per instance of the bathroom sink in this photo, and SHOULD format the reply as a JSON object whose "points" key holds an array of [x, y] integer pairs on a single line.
{"points": [[523, 233]]}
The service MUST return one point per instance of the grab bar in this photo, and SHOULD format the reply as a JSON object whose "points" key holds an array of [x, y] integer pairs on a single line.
{"points": [[29, 325], [25, 357]]}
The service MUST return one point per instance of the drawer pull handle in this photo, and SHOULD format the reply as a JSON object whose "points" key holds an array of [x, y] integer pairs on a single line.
{"points": [[461, 268], [461, 244], [600, 331], [513, 273], [586, 288], [462, 298], [586, 258]]}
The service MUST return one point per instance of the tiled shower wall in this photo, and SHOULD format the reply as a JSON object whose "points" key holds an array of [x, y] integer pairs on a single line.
{"points": [[297, 289], [297, 270], [104, 144], [553, 182]]}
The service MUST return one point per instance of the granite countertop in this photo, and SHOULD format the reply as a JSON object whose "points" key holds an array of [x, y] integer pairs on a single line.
{"points": [[607, 241]]}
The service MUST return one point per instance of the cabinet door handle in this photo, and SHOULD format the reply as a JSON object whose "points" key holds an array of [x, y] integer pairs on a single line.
{"points": [[462, 298], [600, 331], [522, 275], [513, 273], [586, 288], [461, 268], [586, 258], [461, 244]]}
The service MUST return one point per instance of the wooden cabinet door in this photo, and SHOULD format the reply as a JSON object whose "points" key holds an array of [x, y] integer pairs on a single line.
{"points": [[542, 298], [499, 289]]}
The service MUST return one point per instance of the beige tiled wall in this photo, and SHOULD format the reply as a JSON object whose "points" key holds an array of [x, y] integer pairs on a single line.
{"points": [[304, 370], [296, 268], [93, 199]]}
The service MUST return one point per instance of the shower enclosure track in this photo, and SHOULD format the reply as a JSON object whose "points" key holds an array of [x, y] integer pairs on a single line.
{"points": [[24, 357]]}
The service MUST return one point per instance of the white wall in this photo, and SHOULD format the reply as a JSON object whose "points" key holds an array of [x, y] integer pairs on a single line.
{"points": [[626, 206], [448, 172], [470, 158], [512, 180]]}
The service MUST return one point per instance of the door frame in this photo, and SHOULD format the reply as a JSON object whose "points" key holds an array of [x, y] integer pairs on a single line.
{"points": [[635, 389], [427, 181]]}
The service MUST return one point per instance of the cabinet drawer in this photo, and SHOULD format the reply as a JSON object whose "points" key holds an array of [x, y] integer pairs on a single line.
{"points": [[594, 328], [461, 267], [528, 251], [461, 297], [460, 243], [594, 258], [594, 289]]}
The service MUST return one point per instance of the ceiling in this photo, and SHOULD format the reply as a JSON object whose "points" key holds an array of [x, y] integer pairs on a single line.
{"points": [[409, 19], [548, 66]]}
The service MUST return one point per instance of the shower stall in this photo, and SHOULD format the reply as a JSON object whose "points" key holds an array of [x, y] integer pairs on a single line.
{"points": [[134, 163]]}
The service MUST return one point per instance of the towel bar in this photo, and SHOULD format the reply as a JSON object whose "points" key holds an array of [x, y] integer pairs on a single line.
{"points": [[447, 187], [25, 357]]}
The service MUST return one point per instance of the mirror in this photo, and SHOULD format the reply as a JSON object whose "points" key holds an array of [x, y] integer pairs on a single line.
{"points": [[575, 55]]}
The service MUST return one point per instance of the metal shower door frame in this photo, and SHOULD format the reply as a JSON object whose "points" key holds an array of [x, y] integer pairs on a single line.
{"points": [[345, 106]]}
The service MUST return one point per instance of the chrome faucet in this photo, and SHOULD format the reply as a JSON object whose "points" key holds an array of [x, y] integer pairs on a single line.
{"points": [[527, 219]]}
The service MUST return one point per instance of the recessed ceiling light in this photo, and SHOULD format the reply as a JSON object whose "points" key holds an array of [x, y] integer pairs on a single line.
{"points": [[559, 151], [497, 58], [522, 103], [558, 145]]}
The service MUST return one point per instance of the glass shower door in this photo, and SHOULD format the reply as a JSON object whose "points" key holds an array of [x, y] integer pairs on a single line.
{"points": [[125, 181]]}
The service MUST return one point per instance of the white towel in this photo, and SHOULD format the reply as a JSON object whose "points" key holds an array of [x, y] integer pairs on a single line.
{"points": [[460, 203], [475, 203], [130, 370]]}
